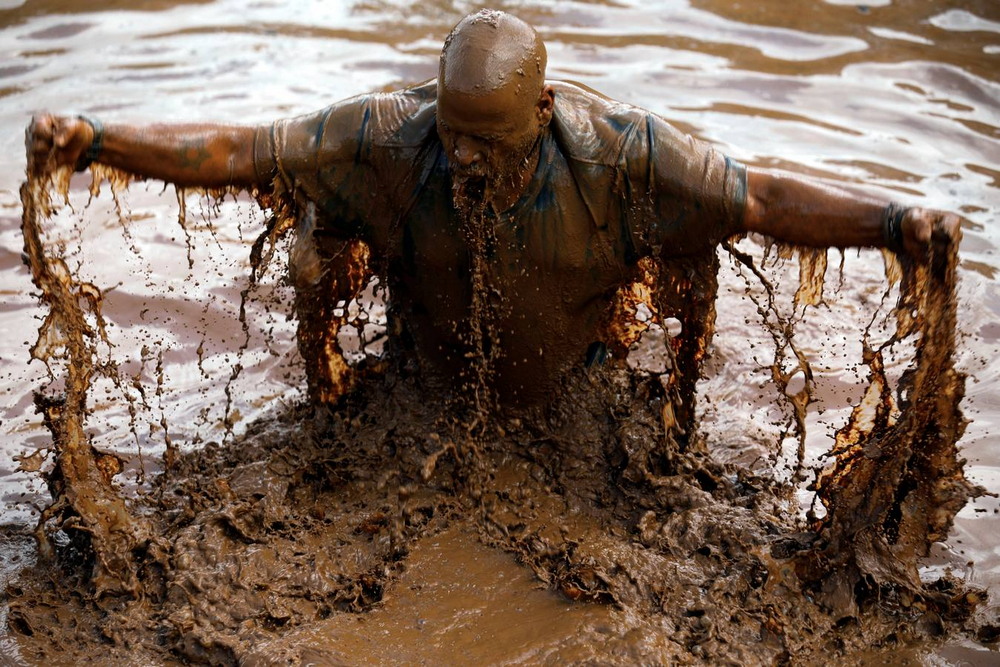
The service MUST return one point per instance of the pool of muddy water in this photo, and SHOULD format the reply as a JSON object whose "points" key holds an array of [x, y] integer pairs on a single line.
{"points": [[901, 95]]}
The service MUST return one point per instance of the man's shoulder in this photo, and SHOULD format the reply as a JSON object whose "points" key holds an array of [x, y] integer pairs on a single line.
{"points": [[593, 128], [402, 118]]}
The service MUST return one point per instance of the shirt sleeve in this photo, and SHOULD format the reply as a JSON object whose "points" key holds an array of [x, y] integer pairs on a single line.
{"points": [[687, 195], [323, 158]]}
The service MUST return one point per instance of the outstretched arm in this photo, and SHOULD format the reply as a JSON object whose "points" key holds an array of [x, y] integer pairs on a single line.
{"points": [[200, 155], [797, 210]]}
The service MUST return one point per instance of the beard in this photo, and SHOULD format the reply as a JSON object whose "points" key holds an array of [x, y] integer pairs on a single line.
{"points": [[471, 193], [475, 188], [474, 193]]}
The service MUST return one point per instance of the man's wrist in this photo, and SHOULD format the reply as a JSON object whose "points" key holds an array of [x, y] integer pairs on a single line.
{"points": [[94, 149], [892, 226]]}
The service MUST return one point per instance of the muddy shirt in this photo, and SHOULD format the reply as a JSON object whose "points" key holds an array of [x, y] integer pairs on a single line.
{"points": [[614, 183]]}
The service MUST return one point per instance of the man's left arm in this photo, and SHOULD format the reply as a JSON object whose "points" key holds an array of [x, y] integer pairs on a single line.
{"points": [[801, 211]]}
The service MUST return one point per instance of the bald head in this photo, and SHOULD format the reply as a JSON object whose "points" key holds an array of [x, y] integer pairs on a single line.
{"points": [[492, 105], [490, 50]]}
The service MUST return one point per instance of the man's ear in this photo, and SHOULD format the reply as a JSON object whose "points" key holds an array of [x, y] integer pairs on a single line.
{"points": [[545, 105]]}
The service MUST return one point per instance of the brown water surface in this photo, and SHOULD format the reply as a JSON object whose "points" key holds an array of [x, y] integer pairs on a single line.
{"points": [[902, 95]]}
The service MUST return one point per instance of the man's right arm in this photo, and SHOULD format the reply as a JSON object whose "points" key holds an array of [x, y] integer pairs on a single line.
{"points": [[196, 155]]}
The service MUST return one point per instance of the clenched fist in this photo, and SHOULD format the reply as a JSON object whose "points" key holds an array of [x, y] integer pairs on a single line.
{"points": [[920, 225], [56, 141]]}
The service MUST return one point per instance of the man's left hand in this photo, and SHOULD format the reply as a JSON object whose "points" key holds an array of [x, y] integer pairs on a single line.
{"points": [[920, 225]]}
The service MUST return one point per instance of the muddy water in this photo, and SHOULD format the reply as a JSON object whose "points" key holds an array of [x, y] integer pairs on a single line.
{"points": [[901, 95]]}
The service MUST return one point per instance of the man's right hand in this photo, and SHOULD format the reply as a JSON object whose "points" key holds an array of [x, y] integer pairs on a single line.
{"points": [[55, 141]]}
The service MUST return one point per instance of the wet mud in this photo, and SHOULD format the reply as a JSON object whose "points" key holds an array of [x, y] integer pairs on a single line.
{"points": [[283, 544]]}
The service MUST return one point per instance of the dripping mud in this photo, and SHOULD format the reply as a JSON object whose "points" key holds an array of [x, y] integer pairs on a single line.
{"points": [[355, 527]]}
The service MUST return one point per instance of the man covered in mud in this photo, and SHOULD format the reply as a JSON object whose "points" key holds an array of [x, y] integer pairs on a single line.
{"points": [[503, 210], [510, 217]]}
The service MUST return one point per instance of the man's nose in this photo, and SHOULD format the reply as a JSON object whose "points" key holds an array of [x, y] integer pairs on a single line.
{"points": [[467, 153]]}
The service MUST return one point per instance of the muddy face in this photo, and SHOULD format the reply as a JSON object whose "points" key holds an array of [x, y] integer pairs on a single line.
{"points": [[490, 140]]}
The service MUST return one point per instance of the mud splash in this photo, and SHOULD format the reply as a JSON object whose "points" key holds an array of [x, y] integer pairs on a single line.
{"points": [[85, 502], [245, 552], [897, 480]]}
